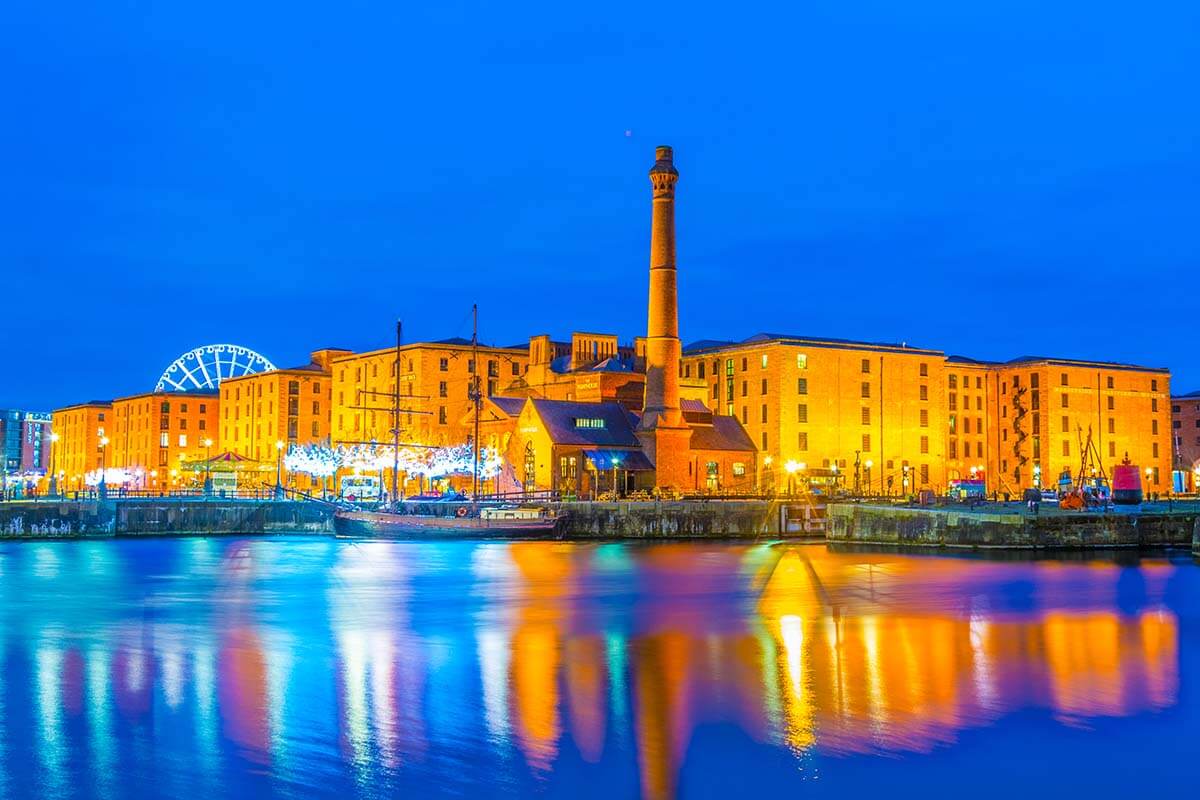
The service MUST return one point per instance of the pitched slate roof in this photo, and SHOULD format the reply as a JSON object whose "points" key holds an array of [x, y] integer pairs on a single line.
{"points": [[710, 345], [509, 405], [559, 418], [725, 433]]}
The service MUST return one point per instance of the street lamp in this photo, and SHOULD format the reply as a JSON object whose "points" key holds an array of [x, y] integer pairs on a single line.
{"points": [[867, 473], [102, 489], [278, 469], [208, 466], [53, 488], [791, 467], [616, 462]]}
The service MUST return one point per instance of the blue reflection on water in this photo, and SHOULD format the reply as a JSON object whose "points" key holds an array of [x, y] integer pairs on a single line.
{"points": [[311, 667]]}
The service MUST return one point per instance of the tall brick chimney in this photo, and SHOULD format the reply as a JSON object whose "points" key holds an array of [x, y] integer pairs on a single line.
{"points": [[663, 433], [663, 350]]}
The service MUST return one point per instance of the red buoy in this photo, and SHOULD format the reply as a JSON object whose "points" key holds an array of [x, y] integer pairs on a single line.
{"points": [[1127, 483]]}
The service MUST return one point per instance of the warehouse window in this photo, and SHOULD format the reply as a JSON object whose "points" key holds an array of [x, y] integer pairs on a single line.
{"points": [[866, 415], [924, 418], [924, 392], [924, 444], [801, 361], [866, 442], [866, 389], [924, 370], [802, 412], [802, 441], [764, 361], [866, 366], [802, 386]]}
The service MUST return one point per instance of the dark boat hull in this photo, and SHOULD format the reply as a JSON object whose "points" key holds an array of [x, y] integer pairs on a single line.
{"points": [[382, 525]]}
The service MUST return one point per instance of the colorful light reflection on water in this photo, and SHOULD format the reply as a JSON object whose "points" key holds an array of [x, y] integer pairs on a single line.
{"points": [[311, 667]]}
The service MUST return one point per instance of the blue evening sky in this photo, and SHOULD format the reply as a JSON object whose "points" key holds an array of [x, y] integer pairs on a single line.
{"points": [[989, 178]]}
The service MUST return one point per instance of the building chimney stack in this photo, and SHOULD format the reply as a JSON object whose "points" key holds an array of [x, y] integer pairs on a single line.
{"points": [[664, 435], [663, 350]]}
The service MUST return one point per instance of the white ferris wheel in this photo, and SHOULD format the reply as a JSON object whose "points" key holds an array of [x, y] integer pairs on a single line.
{"points": [[205, 367]]}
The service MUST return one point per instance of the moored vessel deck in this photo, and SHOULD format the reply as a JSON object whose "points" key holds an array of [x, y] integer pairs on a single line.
{"points": [[496, 524]]}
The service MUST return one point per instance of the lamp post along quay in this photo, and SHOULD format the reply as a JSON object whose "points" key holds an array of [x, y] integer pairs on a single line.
{"points": [[279, 469], [208, 486], [102, 487], [52, 488]]}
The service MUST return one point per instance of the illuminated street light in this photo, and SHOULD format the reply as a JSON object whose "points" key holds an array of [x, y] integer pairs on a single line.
{"points": [[278, 469], [53, 488], [791, 468], [208, 466], [102, 489]]}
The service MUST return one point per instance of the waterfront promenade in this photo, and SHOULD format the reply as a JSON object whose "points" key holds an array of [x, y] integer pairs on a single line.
{"points": [[987, 525]]}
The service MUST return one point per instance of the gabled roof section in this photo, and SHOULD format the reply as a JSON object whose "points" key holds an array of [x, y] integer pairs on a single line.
{"points": [[509, 405], [725, 433], [1071, 362], [615, 427], [707, 346]]}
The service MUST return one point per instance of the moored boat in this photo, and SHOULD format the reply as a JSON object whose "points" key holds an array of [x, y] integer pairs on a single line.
{"points": [[503, 522]]}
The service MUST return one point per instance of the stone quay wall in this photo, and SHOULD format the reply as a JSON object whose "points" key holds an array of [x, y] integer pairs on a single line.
{"points": [[670, 519], [938, 527], [164, 516]]}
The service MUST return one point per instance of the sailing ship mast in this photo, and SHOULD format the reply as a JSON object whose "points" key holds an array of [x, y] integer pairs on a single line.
{"points": [[476, 401], [396, 420]]}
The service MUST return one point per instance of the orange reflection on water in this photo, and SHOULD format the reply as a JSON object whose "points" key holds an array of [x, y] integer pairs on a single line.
{"points": [[864, 675], [545, 570]]}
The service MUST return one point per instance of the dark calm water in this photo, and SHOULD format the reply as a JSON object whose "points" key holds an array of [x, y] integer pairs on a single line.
{"points": [[303, 667]]}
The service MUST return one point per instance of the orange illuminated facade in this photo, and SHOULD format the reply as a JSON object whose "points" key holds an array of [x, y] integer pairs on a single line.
{"points": [[433, 384], [155, 435], [818, 407], [79, 429], [284, 406], [1041, 412]]}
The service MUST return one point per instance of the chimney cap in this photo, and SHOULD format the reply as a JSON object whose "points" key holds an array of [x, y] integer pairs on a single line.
{"points": [[663, 153]]}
